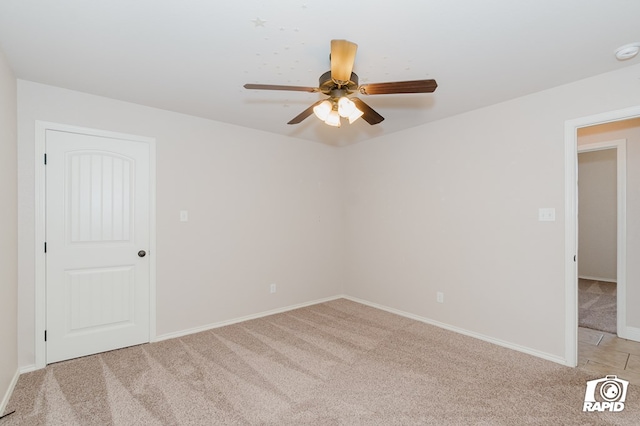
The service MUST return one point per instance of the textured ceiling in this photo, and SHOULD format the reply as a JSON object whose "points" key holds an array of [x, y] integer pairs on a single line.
{"points": [[193, 56]]}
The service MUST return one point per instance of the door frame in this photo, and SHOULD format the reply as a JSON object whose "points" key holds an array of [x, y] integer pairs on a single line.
{"points": [[571, 220], [620, 145], [41, 128]]}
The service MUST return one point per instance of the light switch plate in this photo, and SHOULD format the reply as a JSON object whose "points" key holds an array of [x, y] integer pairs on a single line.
{"points": [[184, 216], [547, 214]]}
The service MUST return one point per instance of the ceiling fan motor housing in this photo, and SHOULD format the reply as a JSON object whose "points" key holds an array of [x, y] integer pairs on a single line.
{"points": [[327, 84]]}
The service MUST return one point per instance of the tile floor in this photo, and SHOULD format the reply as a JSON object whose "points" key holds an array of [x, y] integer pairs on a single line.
{"points": [[605, 354]]}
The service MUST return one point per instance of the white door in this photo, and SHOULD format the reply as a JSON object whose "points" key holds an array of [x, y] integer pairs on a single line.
{"points": [[97, 236]]}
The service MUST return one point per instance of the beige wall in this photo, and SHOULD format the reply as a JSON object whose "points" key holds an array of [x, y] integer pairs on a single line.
{"points": [[629, 130], [8, 229], [597, 210], [452, 206], [262, 209]]}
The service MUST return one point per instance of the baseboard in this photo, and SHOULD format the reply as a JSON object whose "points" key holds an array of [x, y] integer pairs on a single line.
{"points": [[194, 330], [630, 333], [28, 369], [459, 330], [604, 280], [7, 395], [508, 345]]}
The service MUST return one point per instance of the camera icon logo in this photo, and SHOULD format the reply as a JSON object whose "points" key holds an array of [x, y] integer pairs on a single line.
{"points": [[605, 394]]}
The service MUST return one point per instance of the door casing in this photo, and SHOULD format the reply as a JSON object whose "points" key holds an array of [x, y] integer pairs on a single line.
{"points": [[40, 214]]}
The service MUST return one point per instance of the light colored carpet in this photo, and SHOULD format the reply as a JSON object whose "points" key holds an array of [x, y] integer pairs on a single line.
{"points": [[597, 308], [335, 363]]}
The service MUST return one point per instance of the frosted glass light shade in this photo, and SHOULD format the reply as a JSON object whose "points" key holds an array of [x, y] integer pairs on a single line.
{"points": [[333, 119], [322, 110], [355, 115], [346, 107]]}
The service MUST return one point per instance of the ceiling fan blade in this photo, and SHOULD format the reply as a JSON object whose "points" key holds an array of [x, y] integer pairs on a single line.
{"points": [[304, 114], [280, 87], [369, 114], [415, 86], [343, 55]]}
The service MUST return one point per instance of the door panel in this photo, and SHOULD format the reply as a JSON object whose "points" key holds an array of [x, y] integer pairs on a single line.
{"points": [[99, 299], [99, 193], [97, 221]]}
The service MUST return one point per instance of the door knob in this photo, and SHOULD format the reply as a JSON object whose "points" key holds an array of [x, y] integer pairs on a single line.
{"points": [[142, 253]]}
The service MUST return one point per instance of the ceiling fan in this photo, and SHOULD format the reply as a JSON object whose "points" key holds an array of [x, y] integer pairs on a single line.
{"points": [[341, 82]]}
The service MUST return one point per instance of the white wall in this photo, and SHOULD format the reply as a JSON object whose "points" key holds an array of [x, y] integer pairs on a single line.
{"points": [[8, 230], [629, 130], [452, 206], [262, 209], [597, 211]]}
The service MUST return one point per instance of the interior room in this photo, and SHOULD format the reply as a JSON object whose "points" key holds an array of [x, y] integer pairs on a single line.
{"points": [[449, 205]]}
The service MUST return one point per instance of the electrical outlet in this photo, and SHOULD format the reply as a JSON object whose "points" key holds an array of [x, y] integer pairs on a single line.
{"points": [[440, 297], [272, 288]]}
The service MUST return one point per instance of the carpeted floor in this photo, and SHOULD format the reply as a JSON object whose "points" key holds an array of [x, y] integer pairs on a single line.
{"points": [[597, 308], [335, 363]]}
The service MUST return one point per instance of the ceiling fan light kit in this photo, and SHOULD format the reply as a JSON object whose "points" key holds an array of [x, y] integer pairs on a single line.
{"points": [[341, 82], [330, 111]]}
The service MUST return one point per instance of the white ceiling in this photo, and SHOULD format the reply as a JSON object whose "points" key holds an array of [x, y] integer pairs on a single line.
{"points": [[193, 56]]}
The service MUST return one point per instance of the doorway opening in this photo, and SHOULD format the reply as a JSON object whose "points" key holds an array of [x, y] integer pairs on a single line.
{"points": [[601, 229], [572, 130]]}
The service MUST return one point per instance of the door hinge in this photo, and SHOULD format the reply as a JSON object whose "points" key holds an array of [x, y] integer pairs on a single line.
{"points": [[45, 159], [45, 246], [574, 257], [45, 335]]}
